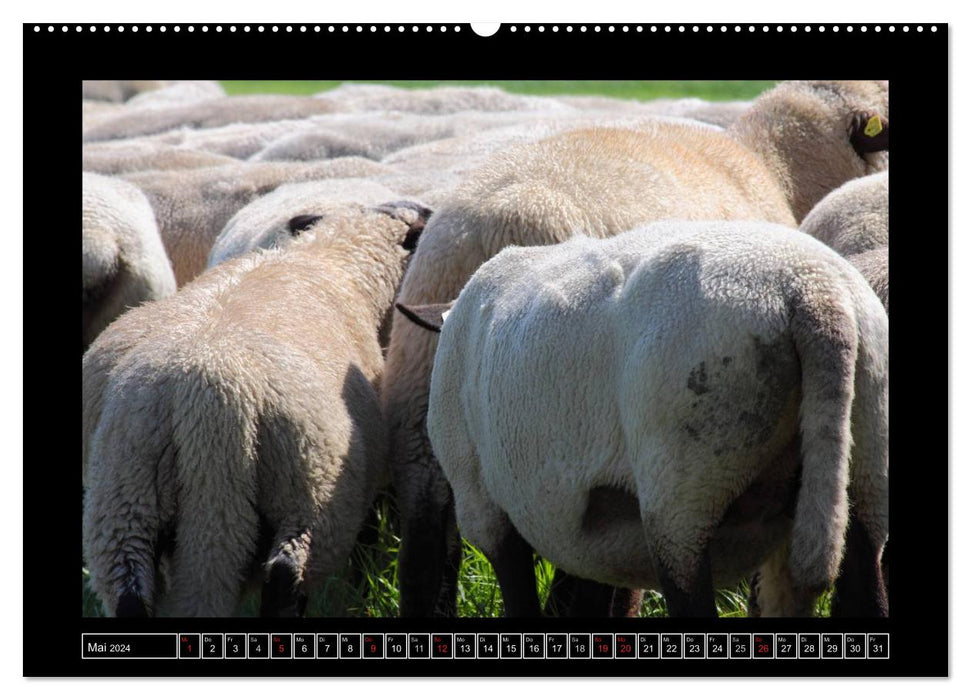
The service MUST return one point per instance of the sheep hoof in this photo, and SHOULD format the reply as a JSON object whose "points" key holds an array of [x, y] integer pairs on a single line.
{"points": [[131, 605], [281, 596]]}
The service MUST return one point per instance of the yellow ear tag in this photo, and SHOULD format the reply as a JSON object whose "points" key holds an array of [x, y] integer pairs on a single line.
{"points": [[873, 126]]}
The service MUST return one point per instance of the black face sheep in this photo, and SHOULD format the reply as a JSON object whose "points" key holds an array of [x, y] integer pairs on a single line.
{"points": [[603, 181], [665, 409], [123, 262], [245, 405]]}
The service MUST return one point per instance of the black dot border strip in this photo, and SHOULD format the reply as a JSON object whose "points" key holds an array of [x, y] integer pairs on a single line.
{"points": [[505, 28]]}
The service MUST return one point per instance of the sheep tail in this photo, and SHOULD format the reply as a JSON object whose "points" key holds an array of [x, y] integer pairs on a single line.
{"points": [[215, 428], [825, 335], [121, 523]]}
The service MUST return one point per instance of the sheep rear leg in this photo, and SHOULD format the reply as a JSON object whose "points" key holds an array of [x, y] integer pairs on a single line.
{"points": [[773, 593], [626, 602], [512, 560], [427, 566], [695, 598], [860, 591], [282, 594]]}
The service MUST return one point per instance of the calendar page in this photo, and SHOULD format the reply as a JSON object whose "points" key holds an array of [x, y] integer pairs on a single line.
{"points": [[533, 349]]}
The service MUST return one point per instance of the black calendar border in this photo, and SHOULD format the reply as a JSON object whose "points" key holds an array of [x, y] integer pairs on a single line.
{"points": [[915, 62]]}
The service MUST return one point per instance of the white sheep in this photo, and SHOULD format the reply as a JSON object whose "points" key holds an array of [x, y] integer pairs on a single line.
{"points": [[95, 111], [372, 138], [119, 90], [123, 262], [853, 218], [193, 206], [218, 111], [797, 142], [815, 135], [664, 409], [379, 134], [275, 218], [245, 405], [439, 100], [721, 114], [874, 264], [133, 155], [181, 92]]}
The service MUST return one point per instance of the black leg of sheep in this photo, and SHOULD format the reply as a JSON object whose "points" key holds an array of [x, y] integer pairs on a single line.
{"points": [[513, 563], [695, 600], [860, 590], [428, 558]]}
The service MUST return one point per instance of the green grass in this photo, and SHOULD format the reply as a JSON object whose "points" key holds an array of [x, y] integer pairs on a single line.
{"points": [[368, 586], [625, 89]]}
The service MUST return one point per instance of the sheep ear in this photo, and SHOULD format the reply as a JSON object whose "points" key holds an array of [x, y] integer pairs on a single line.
{"points": [[430, 316], [412, 213], [301, 223], [869, 133]]}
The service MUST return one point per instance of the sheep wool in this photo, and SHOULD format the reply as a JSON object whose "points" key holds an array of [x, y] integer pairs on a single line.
{"points": [[268, 222], [123, 262], [597, 180], [245, 405], [218, 111], [132, 156], [814, 135], [795, 143], [193, 206], [853, 218], [875, 266], [660, 450]]}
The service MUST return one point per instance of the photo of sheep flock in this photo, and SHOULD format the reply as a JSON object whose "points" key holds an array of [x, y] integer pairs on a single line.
{"points": [[468, 349]]}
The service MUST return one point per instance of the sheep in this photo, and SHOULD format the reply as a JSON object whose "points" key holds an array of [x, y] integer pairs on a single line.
{"points": [[377, 135], [853, 218], [118, 90], [705, 419], [117, 157], [193, 206], [721, 114], [464, 153], [123, 262], [435, 101], [374, 139], [874, 264], [235, 140], [181, 92], [273, 219], [218, 111], [816, 135], [94, 112], [431, 186], [245, 405], [601, 181]]}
